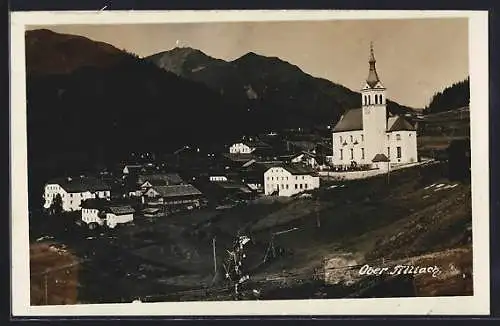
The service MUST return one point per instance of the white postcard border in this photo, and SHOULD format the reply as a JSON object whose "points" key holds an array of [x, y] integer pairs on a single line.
{"points": [[478, 304]]}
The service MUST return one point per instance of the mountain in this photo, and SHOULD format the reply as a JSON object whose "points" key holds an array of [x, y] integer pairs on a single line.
{"points": [[452, 97], [48, 52], [95, 109], [278, 92]]}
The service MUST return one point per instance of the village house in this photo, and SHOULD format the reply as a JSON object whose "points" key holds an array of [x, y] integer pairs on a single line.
{"points": [[91, 209], [288, 180], [99, 212], [164, 179], [75, 190], [363, 133], [172, 198], [250, 146], [118, 214], [306, 158]]}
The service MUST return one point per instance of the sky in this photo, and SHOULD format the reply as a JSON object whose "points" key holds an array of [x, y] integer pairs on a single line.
{"points": [[415, 57]]}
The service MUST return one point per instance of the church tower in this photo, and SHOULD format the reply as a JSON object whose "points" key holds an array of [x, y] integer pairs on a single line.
{"points": [[374, 112]]}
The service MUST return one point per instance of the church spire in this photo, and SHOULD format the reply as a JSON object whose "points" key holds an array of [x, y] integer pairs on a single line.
{"points": [[372, 78]]}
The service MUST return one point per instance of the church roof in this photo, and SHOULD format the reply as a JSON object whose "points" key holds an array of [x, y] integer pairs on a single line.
{"points": [[351, 120], [399, 123]]}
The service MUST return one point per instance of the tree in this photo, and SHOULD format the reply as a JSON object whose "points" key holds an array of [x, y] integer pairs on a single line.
{"points": [[56, 208]]}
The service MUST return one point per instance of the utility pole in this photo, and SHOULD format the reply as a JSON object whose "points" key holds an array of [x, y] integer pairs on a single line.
{"points": [[215, 257], [388, 170]]}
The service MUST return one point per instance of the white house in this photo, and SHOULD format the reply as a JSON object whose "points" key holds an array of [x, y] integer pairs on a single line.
{"points": [[241, 148], [289, 180], [249, 147], [75, 190], [363, 133], [91, 210], [119, 215], [306, 158]]}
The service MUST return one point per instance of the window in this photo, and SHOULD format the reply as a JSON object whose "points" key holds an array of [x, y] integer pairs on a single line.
{"points": [[301, 186], [272, 178], [376, 99], [352, 154], [340, 138], [398, 149], [286, 186], [341, 155], [388, 152], [388, 137], [302, 177], [362, 138], [362, 153], [296, 186], [305, 185], [351, 138], [398, 137], [282, 186]]}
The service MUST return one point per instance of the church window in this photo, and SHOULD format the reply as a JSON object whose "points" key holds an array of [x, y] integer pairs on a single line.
{"points": [[351, 138], [362, 153], [398, 149], [380, 99], [376, 99], [398, 137], [352, 154], [341, 154]]}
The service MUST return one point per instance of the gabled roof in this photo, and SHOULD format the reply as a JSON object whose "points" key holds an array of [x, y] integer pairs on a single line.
{"points": [[239, 157], [399, 123], [95, 203], [295, 169], [350, 121], [121, 210], [163, 179], [310, 155], [177, 191], [380, 158], [81, 184]]}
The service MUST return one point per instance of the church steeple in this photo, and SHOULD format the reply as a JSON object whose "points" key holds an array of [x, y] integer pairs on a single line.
{"points": [[372, 80]]}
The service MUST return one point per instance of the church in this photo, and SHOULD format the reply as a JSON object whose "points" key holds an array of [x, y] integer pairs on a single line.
{"points": [[370, 135]]}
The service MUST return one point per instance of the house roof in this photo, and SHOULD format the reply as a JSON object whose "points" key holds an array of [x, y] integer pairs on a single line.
{"points": [[351, 120], [81, 184], [163, 179], [177, 191], [380, 158], [303, 144], [95, 203], [239, 157], [295, 169], [310, 155], [121, 210], [399, 123]]}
